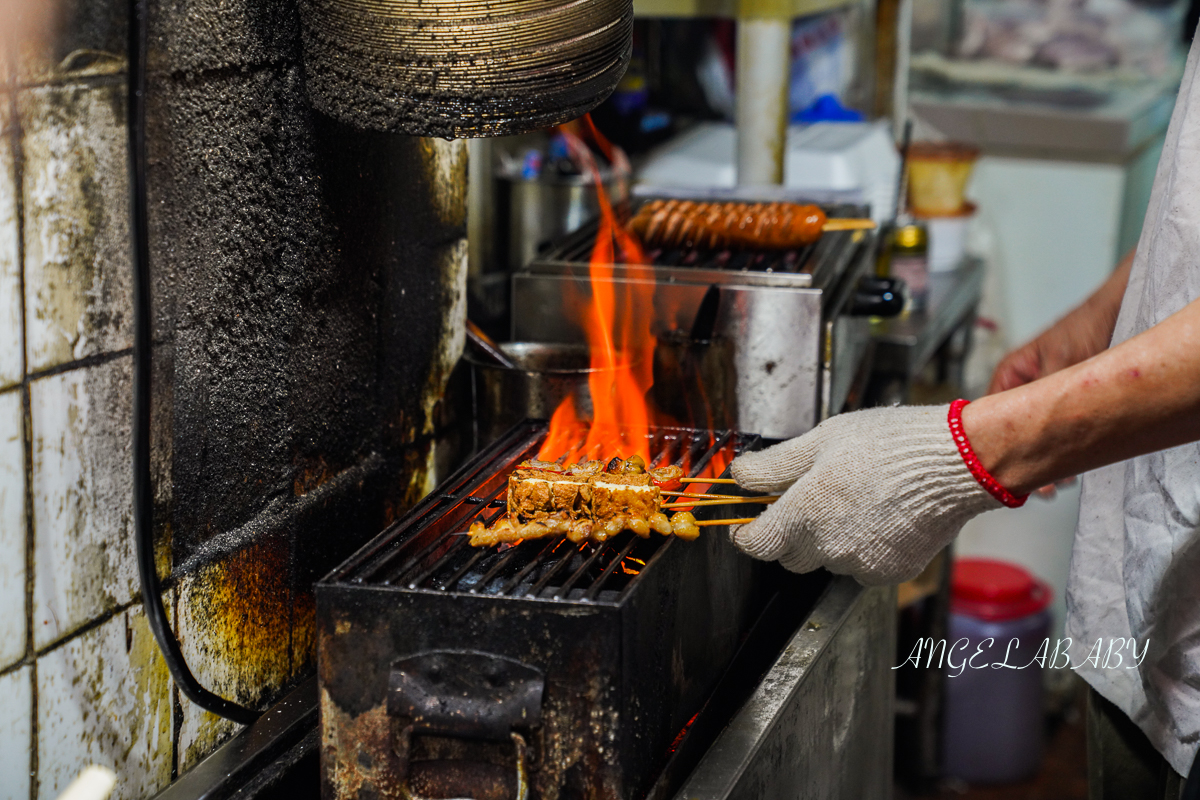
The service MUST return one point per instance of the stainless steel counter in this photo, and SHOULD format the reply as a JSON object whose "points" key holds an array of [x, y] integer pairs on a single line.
{"points": [[819, 724], [906, 344]]}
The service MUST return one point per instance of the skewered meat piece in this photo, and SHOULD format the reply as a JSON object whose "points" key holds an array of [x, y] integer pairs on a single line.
{"points": [[583, 502], [718, 226]]}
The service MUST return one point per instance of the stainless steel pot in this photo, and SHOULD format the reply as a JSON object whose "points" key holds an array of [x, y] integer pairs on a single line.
{"points": [[546, 374], [531, 214]]}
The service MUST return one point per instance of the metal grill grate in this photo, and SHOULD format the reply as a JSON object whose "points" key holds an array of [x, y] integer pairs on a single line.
{"points": [[429, 551], [579, 249], [813, 259]]}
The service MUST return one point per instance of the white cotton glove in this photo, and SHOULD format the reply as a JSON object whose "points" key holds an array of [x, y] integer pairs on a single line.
{"points": [[874, 494]]}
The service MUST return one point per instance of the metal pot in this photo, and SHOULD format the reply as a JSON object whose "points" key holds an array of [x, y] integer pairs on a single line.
{"points": [[532, 213], [546, 374]]}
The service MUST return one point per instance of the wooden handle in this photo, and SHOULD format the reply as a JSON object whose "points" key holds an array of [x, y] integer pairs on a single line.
{"points": [[730, 502], [848, 225]]}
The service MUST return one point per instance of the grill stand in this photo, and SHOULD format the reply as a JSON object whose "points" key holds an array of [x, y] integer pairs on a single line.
{"points": [[817, 724]]}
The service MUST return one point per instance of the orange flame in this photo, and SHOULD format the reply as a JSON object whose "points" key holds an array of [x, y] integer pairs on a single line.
{"points": [[616, 324]]}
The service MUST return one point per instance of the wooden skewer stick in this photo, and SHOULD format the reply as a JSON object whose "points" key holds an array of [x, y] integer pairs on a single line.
{"points": [[764, 500], [708, 480], [837, 224], [742, 521], [702, 495]]}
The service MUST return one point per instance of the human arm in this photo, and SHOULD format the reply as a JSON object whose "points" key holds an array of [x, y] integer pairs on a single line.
{"points": [[1138, 397], [875, 494], [1079, 335]]}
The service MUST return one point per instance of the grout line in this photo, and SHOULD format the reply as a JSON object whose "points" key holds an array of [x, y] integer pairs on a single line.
{"points": [[79, 363], [18, 155], [32, 655]]}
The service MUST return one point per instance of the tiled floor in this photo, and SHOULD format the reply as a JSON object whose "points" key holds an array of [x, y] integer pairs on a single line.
{"points": [[1063, 775]]}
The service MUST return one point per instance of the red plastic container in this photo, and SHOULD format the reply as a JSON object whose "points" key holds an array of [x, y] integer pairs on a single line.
{"points": [[992, 724]]}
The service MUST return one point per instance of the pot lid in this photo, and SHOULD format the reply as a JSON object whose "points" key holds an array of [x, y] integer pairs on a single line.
{"points": [[993, 590]]}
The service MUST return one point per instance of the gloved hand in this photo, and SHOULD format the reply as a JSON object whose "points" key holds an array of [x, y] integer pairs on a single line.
{"points": [[874, 494]]}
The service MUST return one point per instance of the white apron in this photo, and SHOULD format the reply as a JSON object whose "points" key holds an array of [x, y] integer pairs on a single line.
{"points": [[1135, 565]]}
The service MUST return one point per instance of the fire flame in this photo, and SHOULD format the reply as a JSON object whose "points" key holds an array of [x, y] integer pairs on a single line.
{"points": [[620, 341], [617, 324]]}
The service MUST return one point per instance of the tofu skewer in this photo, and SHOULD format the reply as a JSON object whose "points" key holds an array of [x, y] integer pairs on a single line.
{"points": [[585, 502]]}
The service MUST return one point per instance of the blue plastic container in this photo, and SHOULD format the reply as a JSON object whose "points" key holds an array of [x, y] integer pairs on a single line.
{"points": [[992, 724]]}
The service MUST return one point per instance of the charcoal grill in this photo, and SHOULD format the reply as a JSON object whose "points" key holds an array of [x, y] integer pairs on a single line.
{"points": [[566, 669]]}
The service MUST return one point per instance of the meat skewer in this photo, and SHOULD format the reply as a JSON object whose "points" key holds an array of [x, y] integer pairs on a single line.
{"points": [[588, 501], [723, 225], [735, 501], [591, 501]]}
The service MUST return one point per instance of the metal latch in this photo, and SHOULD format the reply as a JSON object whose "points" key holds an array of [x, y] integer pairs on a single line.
{"points": [[465, 694]]}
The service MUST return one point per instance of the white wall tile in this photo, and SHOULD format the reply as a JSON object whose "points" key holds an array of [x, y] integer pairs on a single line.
{"points": [[84, 561], [105, 698], [10, 279], [12, 530], [77, 282], [16, 733]]}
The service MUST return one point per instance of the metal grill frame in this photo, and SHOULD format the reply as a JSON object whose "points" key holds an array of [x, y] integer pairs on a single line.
{"points": [[624, 670], [423, 555]]}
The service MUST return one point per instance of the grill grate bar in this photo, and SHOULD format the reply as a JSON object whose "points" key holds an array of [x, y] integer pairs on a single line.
{"points": [[462, 542], [540, 559], [481, 585], [449, 583], [594, 589], [538, 587], [437, 556], [397, 575], [570, 582]]}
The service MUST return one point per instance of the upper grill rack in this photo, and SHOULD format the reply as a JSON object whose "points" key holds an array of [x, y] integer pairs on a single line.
{"points": [[427, 552], [811, 259]]}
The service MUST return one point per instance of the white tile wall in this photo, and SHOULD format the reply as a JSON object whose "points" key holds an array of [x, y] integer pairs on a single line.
{"points": [[83, 531], [10, 279], [105, 698], [12, 530], [233, 649], [16, 713], [77, 281]]}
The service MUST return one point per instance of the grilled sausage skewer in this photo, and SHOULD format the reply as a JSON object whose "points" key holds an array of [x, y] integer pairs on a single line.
{"points": [[719, 226]]}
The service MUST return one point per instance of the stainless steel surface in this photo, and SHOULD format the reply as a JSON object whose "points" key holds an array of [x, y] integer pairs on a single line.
{"points": [[545, 374], [270, 748], [531, 214], [848, 343], [792, 365], [819, 725], [904, 345], [775, 333], [458, 68]]}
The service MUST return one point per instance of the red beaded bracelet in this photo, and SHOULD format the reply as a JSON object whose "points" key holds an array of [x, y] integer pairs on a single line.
{"points": [[968, 454]]}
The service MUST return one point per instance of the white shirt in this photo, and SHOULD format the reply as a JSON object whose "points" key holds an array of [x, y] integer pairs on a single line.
{"points": [[1135, 566]]}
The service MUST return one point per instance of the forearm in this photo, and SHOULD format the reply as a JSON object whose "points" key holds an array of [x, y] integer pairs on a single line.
{"points": [[1141, 396]]}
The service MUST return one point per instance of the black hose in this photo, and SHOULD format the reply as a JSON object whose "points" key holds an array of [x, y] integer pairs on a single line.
{"points": [[143, 496]]}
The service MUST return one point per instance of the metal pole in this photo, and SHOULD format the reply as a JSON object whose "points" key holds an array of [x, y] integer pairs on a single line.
{"points": [[763, 60]]}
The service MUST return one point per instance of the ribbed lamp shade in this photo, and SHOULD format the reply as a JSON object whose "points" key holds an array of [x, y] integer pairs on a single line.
{"points": [[463, 68]]}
